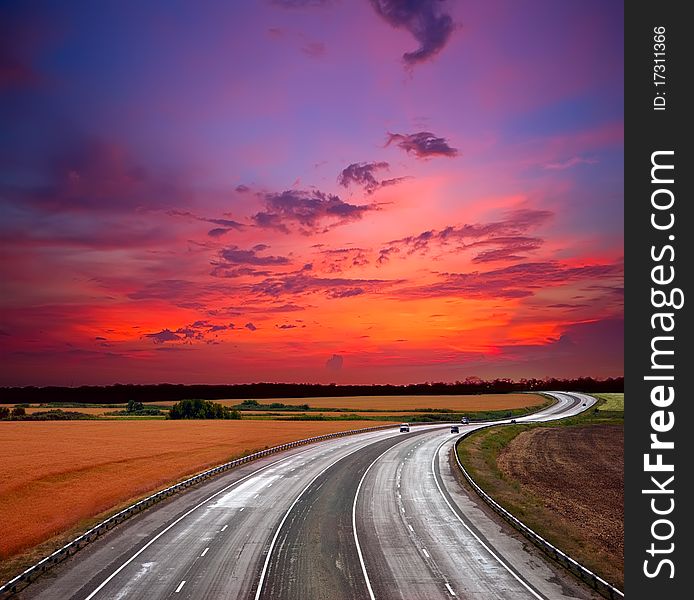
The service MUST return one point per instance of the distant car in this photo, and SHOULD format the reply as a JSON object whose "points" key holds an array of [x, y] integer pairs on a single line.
{"points": [[404, 427], [455, 429], [465, 421], [513, 420], [584, 404]]}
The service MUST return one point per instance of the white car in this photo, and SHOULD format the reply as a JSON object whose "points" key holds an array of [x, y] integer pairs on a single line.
{"points": [[405, 427]]}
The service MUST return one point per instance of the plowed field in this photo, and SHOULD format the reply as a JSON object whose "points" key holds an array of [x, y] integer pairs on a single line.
{"points": [[577, 474]]}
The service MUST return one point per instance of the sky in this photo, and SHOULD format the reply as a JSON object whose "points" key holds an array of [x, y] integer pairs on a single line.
{"points": [[365, 191]]}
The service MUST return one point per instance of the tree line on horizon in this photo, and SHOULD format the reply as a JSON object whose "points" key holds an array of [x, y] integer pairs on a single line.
{"points": [[124, 393]]}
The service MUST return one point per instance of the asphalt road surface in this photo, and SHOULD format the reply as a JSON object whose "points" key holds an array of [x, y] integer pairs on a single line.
{"points": [[371, 516]]}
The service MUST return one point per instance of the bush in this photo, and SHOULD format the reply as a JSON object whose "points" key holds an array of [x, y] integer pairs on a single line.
{"points": [[202, 409], [18, 411], [4, 412]]}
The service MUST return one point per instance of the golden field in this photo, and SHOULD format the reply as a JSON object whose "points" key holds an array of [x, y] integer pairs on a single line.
{"points": [[88, 410], [57, 475], [469, 403]]}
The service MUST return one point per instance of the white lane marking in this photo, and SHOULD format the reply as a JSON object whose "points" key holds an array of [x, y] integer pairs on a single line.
{"points": [[457, 516], [180, 586], [256, 495], [354, 527], [450, 589], [424, 551], [177, 521], [223, 528], [240, 509], [411, 528], [289, 510], [204, 552], [183, 516]]}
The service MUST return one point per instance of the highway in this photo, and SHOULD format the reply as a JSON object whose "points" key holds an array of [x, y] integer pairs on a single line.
{"points": [[372, 516]]}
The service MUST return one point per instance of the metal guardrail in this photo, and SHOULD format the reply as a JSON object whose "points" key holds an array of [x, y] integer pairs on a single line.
{"points": [[599, 584], [22, 580]]}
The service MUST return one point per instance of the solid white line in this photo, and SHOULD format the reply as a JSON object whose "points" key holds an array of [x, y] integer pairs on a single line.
{"points": [[223, 528], [177, 521], [204, 552], [354, 526], [450, 589], [487, 548], [286, 515], [180, 586], [424, 551]]}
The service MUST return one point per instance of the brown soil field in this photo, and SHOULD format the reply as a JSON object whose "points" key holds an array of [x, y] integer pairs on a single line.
{"points": [[576, 473], [393, 404], [56, 476]]}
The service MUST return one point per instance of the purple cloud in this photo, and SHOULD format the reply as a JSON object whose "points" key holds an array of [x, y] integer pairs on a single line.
{"points": [[507, 237], [516, 281], [299, 283], [423, 19], [226, 225], [233, 255], [347, 293], [163, 336], [423, 144], [509, 248], [334, 363], [362, 174], [307, 209], [384, 254], [341, 259], [222, 270]]}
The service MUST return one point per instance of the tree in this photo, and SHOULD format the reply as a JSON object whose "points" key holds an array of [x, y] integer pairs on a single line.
{"points": [[18, 412], [4, 412], [134, 405], [202, 409]]}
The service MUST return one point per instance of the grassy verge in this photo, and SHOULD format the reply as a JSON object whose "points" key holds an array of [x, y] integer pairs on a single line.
{"points": [[479, 453], [612, 402]]}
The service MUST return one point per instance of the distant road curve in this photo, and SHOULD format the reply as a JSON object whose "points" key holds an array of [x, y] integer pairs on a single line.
{"points": [[372, 516]]}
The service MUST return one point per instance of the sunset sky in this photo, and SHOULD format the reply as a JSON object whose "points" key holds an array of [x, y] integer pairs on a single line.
{"points": [[344, 191]]}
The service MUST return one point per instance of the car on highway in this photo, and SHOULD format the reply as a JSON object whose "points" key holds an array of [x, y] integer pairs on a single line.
{"points": [[404, 427], [465, 421], [455, 429], [513, 421]]}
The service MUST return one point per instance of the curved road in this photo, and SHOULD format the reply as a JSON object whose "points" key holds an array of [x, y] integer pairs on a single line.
{"points": [[371, 516]]}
